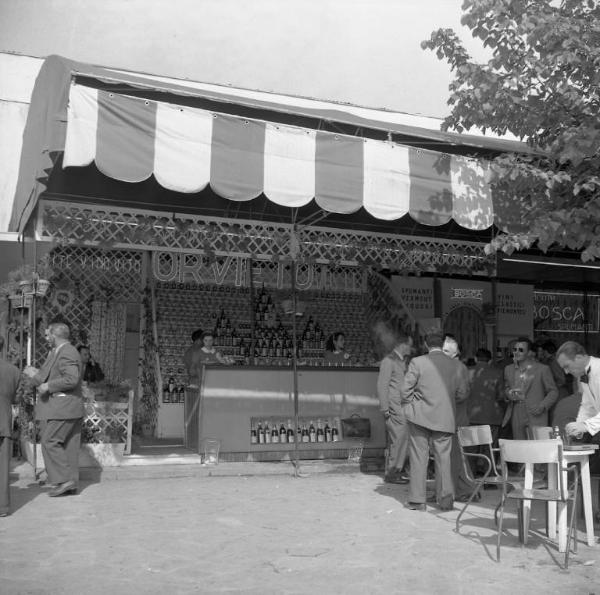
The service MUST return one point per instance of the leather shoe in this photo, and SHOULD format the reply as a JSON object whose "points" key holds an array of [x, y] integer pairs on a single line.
{"points": [[395, 479], [62, 489], [421, 506]]}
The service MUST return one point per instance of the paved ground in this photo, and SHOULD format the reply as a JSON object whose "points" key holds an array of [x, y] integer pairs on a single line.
{"points": [[270, 533]]}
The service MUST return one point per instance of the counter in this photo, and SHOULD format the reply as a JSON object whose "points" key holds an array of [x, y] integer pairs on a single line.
{"points": [[235, 399]]}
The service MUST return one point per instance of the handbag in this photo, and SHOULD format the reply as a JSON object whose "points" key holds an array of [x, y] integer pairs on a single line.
{"points": [[356, 426]]}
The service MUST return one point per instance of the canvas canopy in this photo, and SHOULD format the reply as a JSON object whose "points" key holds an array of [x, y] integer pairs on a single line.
{"points": [[187, 148]]}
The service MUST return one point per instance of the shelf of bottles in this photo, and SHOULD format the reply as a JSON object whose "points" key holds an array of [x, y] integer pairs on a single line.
{"points": [[227, 311], [275, 430]]}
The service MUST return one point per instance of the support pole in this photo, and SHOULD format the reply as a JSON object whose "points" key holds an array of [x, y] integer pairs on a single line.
{"points": [[295, 371], [251, 305]]}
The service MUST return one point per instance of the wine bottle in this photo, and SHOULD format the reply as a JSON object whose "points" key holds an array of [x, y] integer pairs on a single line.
{"points": [[335, 436], [267, 433], [253, 436], [305, 435], [261, 434], [320, 433], [312, 433], [327, 432], [290, 432], [275, 434], [282, 434]]}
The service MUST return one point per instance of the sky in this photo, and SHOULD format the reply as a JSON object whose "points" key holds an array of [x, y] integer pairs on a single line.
{"points": [[363, 52]]}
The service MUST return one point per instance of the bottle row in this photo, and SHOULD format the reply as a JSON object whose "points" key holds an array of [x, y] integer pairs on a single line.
{"points": [[172, 392], [277, 431]]}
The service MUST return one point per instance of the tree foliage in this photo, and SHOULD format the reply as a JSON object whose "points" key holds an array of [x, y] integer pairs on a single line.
{"points": [[542, 84]]}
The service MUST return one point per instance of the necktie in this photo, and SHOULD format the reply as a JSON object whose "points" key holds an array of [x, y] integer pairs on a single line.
{"points": [[584, 378]]}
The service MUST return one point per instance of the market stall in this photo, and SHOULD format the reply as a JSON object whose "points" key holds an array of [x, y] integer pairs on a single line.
{"points": [[172, 209]]}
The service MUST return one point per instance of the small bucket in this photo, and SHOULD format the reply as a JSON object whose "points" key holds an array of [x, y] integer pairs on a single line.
{"points": [[211, 451]]}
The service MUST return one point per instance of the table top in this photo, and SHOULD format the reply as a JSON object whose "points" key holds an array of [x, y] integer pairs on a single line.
{"points": [[579, 449]]}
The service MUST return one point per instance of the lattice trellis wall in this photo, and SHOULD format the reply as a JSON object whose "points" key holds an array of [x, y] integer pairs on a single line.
{"points": [[122, 228], [106, 422], [84, 276]]}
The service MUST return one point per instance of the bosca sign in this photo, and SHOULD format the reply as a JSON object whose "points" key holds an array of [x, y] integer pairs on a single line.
{"points": [[556, 312]]}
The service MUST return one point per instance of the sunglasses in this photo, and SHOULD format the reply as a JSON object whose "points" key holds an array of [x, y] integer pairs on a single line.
{"points": [[519, 349]]}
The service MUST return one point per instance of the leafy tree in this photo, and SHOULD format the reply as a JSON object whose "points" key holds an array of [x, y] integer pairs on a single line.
{"points": [[542, 84]]}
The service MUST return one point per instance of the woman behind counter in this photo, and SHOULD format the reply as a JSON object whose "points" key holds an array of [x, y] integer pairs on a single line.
{"points": [[334, 350], [207, 353]]}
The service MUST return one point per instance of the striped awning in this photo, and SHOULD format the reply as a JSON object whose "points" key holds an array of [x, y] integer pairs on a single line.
{"points": [[185, 148]]}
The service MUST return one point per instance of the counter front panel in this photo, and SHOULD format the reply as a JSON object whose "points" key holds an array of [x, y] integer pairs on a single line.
{"points": [[235, 400]]}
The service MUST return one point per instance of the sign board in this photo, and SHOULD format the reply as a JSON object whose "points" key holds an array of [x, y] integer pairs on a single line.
{"points": [[559, 312], [514, 309], [416, 293], [514, 303], [456, 293]]}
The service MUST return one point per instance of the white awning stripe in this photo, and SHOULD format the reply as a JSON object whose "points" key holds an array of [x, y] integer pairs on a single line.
{"points": [[387, 180], [182, 148], [289, 165], [82, 124]]}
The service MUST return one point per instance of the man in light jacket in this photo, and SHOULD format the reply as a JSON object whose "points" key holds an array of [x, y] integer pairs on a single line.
{"points": [[433, 384]]}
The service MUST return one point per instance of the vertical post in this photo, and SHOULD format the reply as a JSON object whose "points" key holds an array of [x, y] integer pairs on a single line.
{"points": [[252, 309], [494, 337], [295, 369], [142, 362], [30, 352], [159, 380]]}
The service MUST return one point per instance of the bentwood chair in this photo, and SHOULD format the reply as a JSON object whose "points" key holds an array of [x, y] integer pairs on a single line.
{"points": [[528, 453], [478, 436]]}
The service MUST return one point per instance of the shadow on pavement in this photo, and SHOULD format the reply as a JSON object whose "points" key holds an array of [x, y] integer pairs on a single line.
{"points": [[24, 487]]}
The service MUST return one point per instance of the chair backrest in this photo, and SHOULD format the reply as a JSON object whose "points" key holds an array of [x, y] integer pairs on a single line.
{"points": [[526, 451], [548, 452], [477, 436], [540, 432], [474, 435]]}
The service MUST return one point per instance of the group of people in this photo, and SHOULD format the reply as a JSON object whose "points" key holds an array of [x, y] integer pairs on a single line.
{"points": [[424, 400], [59, 410]]}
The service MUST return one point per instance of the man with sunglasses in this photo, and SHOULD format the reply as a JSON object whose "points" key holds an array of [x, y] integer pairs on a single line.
{"points": [[530, 390], [573, 359]]}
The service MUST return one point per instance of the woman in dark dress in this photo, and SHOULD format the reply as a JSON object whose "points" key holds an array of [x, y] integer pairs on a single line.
{"points": [[335, 354]]}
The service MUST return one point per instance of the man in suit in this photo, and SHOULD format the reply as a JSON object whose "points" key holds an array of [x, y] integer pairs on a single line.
{"points": [[463, 487], [59, 409], [389, 384], [9, 384], [433, 383], [573, 359], [485, 405], [529, 389]]}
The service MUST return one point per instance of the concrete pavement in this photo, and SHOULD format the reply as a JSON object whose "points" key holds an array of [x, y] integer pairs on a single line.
{"points": [[241, 530]]}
